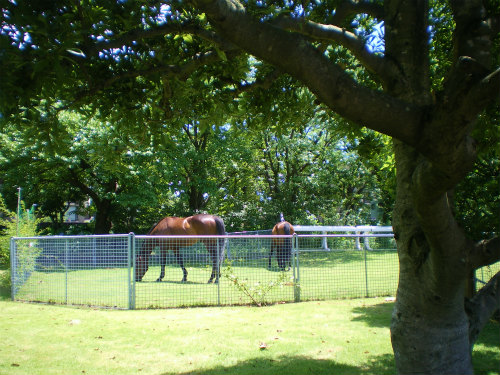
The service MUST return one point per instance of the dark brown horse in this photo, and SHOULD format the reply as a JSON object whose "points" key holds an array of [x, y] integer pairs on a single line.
{"points": [[193, 225], [282, 246]]}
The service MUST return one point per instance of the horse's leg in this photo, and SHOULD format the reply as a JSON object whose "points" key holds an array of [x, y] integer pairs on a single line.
{"points": [[273, 248], [214, 267], [212, 251], [213, 255], [280, 255], [163, 261], [289, 253], [180, 261]]}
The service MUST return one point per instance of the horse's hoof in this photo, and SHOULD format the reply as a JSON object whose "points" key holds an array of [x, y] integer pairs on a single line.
{"points": [[184, 281], [158, 280]]}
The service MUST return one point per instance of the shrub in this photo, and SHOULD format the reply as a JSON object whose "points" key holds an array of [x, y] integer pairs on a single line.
{"points": [[11, 227]]}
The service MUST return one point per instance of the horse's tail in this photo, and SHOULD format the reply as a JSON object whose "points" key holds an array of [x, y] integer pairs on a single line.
{"points": [[288, 241], [221, 242]]}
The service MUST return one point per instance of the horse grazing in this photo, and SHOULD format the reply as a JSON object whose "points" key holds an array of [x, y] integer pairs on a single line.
{"points": [[193, 225], [282, 246]]}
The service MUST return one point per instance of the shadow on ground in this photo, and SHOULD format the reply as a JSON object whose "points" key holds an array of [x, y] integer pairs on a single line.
{"points": [[299, 366], [378, 315]]}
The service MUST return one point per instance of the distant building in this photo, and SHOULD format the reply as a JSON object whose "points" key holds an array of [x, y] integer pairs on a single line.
{"points": [[74, 216]]}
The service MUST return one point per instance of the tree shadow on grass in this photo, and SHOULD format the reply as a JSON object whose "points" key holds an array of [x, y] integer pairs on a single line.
{"points": [[490, 335], [299, 365], [172, 282], [486, 361], [483, 360], [378, 315]]}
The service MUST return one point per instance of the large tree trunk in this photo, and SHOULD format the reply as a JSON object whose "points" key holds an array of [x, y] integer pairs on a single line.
{"points": [[429, 329]]}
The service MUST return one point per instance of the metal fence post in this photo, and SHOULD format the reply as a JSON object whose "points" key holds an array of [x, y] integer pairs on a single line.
{"points": [[296, 268], [217, 277], [131, 269], [13, 269], [366, 272], [66, 271]]}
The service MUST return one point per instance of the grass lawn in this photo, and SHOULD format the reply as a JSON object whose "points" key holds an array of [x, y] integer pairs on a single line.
{"points": [[320, 276], [341, 337], [348, 336]]}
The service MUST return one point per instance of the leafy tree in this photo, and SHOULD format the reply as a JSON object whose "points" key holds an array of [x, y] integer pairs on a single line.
{"points": [[425, 85], [28, 162], [87, 159]]}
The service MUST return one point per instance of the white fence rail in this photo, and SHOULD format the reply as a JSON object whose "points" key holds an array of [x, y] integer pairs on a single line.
{"points": [[104, 271], [362, 231]]}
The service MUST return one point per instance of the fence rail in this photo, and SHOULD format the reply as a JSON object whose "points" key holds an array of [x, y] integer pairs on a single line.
{"points": [[102, 270]]}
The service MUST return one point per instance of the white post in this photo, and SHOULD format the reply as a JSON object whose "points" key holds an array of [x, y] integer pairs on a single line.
{"points": [[18, 210]]}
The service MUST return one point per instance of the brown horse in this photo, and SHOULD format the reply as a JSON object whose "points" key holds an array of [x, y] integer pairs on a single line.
{"points": [[282, 246], [193, 225]]}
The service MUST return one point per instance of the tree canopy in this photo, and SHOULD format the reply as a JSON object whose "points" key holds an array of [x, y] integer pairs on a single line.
{"points": [[423, 74]]}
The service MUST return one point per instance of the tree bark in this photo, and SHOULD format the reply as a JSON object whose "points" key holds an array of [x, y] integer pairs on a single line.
{"points": [[102, 218], [429, 329]]}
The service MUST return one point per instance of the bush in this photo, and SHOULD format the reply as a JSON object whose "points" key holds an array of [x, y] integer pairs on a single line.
{"points": [[9, 227]]}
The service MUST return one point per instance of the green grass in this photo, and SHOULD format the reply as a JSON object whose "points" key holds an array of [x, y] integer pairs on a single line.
{"points": [[340, 337], [320, 337], [326, 337], [322, 276]]}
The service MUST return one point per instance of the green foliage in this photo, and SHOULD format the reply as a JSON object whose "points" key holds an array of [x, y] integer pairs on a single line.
{"points": [[477, 197], [145, 140], [11, 226], [169, 123]]}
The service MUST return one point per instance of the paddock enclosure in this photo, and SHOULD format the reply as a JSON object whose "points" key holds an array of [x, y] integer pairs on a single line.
{"points": [[98, 270]]}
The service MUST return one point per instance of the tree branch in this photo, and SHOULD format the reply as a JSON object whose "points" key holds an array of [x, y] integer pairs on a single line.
{"points": [[468, 89], [473, 33], [262, 83], [292, 53], [484, 253], [331, 33], [170, 28], [349, 8], [485, 91], [482, 306]]}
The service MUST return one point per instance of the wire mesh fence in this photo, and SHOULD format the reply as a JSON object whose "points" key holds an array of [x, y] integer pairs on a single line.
{"points": [[74, 270], [105, 270]]}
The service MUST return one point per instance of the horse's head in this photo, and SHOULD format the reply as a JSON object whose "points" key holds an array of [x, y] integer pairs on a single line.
{"points": [[141, 265]]}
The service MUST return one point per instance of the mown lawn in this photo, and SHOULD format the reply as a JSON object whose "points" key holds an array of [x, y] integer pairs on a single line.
{"points": [[349, 336], [316, 276]]}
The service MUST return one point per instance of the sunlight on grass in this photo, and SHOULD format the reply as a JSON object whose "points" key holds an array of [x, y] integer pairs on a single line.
{"points": [[322, 337], [201, 340], [320, 276]]}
